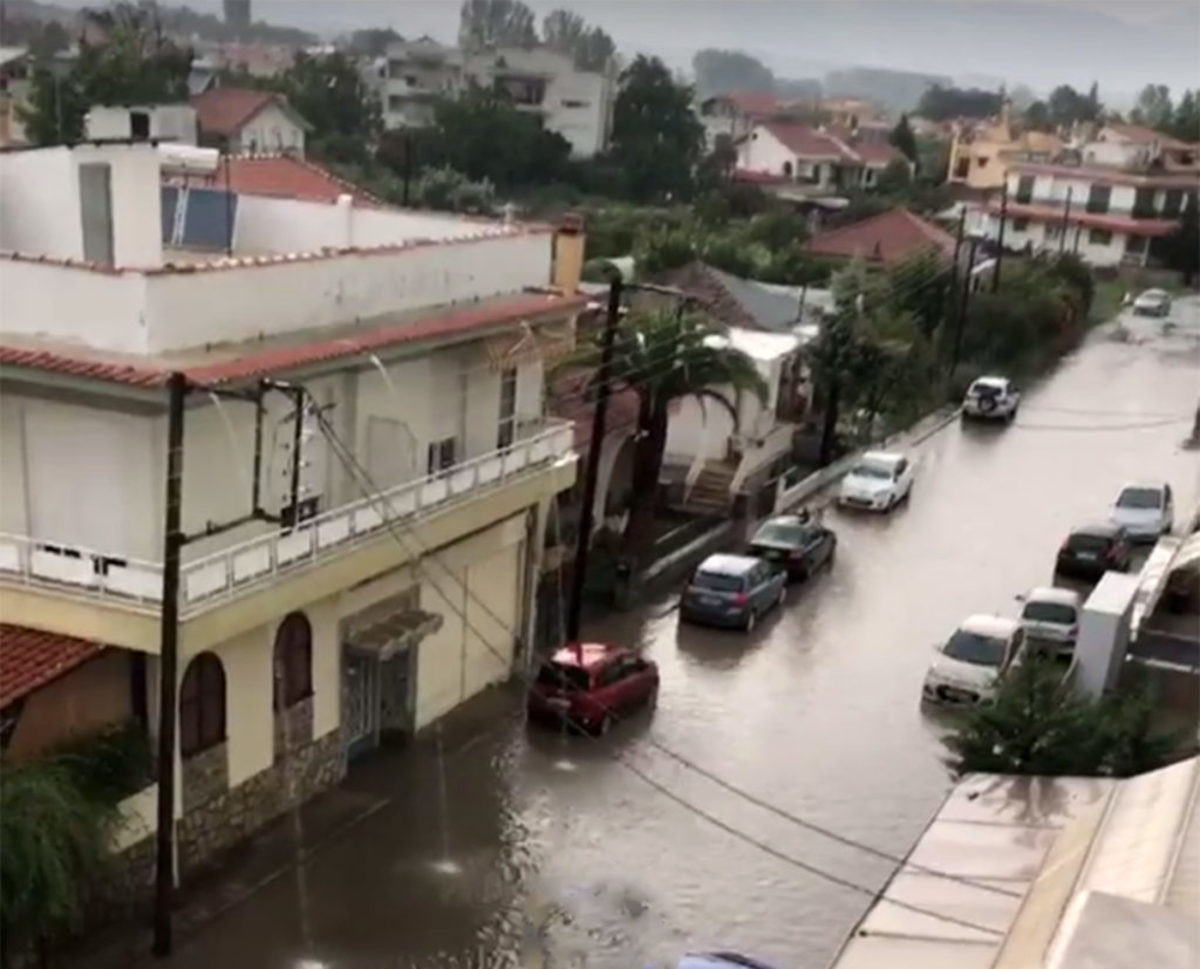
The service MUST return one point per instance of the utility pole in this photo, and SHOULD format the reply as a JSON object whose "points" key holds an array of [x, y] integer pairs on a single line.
{"points": [[591, 472], [1062, 238], [164, 870], [1000, 237], [965, 307]]}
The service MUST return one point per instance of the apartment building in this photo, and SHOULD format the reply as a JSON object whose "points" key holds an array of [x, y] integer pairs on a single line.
{"points": [[1110, 200], [366, 469], [576, 104]]}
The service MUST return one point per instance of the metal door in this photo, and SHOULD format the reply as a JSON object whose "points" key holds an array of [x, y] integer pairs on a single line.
{"points": [[360, 703]]}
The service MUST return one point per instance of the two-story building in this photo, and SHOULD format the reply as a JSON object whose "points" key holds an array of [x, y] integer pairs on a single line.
{"points": [[816, 160], [1110, 215], [365, 469], [982, 152], [246, 121], [573, 103], [734, 115]]}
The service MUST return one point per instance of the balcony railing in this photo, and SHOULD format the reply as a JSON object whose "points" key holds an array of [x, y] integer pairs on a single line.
{"points": [[230, 572]]}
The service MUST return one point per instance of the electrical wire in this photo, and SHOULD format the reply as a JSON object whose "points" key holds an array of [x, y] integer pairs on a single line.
{"points": [[351, 464]]}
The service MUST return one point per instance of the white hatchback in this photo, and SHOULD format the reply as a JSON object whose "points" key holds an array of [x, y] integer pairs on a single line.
{"points": [[1145, 511], [968, 664], [1051, 615], [879, 481]]}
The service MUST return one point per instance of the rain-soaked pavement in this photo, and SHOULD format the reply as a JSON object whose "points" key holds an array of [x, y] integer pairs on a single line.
{"points": [[561, 856]]}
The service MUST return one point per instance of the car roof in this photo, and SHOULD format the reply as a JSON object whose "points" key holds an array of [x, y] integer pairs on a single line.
{"points": [[593, 654], [1148, 485], [723, 564], [1052, 593], [990, 379], [1154, 292], [1105, 529], [884, 457], [985, 625], [786, 520]]}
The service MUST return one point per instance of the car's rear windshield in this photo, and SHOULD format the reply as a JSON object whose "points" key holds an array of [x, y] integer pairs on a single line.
{"points": [[986, 388], [1140, 498], [559, 676], [1049, 612], [872, 469], [1087, 542], [779, 533], [717, 581], [976, 648]]}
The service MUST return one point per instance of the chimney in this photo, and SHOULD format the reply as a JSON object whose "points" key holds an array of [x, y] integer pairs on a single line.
{"points": [[568, 253]]}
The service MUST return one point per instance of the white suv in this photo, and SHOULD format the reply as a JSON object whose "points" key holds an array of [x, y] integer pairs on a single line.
{"points": [[992, 398], [1145, 511]]}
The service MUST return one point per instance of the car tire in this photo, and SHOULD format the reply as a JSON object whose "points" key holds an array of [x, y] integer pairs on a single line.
{"points": [[652, 699], [750, 621], [782, 598], [832, 554], [605, 724]]}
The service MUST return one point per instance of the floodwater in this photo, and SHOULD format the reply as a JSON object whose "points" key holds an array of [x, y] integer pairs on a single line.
{"points": [[550, 851]]}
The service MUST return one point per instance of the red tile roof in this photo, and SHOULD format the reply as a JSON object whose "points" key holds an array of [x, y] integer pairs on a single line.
{"points": [[753, 103], [283, 176], [805, 140], [225, 110], [876, 152], [888, 238], [30, 658], [1142, 135], [251, 364], [1151, 228]]}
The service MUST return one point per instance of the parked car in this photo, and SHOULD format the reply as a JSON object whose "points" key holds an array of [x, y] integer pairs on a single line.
{"points": [[1051, 615], [720, 960], [732, 590], [1153, 302], [1091, 550], [798, 544], [879, 481], [991, 398], [1145, 511], [968, 664], [591, 685]]}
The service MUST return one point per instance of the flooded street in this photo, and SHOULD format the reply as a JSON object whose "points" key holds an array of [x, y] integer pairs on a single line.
{"points": [[526, 847]]}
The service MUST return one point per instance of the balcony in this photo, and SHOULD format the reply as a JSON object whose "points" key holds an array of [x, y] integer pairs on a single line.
{"points": [[209, 582]]}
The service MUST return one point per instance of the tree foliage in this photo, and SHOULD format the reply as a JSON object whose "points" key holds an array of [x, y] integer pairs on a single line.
{"points": [[943, 103], [134, 62], [1066, 106], [1036, 725], [1153, 106], [656, 139], [730, 71], [591, 48], [330, 93], [903, 139], [373, 41], [496, 23]]}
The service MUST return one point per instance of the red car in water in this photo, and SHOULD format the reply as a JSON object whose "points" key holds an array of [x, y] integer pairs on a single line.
{"points": [[591, 685]]}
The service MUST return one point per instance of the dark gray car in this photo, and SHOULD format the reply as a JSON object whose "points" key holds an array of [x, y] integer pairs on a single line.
{"points": [[732, 590]]}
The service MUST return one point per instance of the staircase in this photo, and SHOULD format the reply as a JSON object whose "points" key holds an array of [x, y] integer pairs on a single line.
{"points": [[711, 494]]}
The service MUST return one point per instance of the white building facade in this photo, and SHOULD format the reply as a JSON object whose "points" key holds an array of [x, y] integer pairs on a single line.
{"points": [[365, 405], [815, 160], [575, 104], [1108, 215]]}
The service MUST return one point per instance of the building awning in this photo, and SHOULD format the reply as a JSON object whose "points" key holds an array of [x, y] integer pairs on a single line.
{"points": [[392, 634], [526, 345]]}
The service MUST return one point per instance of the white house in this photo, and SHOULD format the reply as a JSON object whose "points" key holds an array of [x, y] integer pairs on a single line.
{"points": [[250, 121], [576, 104], [818, 160], [366, 466], [1110, 215], [734, 115], [717, 459]]}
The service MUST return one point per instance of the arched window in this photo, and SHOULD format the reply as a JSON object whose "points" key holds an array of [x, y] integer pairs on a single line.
{"points": [[202, 705], [293, 661]]}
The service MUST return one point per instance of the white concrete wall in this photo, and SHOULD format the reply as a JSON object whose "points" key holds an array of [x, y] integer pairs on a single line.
{"points": [[1045, 236], [763, 152], [80, 476], [40, 202], [168, 122], [705, 427], [271, 130]]}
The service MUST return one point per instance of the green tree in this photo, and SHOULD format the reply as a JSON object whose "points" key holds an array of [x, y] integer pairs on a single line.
{"points": [[1066, 106], [942, 103], [656, 139], [500, 23], [568, 33], [1037, 725], [1153, 106], [1181, 250], [665, 355], [134, 62], [373, 41], [895, 179], [1037, 117], [730, 71], [1185, 123], [903, 139], [330, 93]]}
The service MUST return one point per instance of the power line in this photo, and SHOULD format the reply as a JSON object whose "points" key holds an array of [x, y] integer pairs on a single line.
{"points": [[356, 470]]}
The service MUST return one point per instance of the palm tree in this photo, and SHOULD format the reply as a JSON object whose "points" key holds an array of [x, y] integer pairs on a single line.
{"points": [[665, 355]]}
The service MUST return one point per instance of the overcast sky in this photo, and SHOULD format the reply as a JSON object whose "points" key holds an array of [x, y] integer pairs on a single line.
{"points": [[1122, 44]]}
